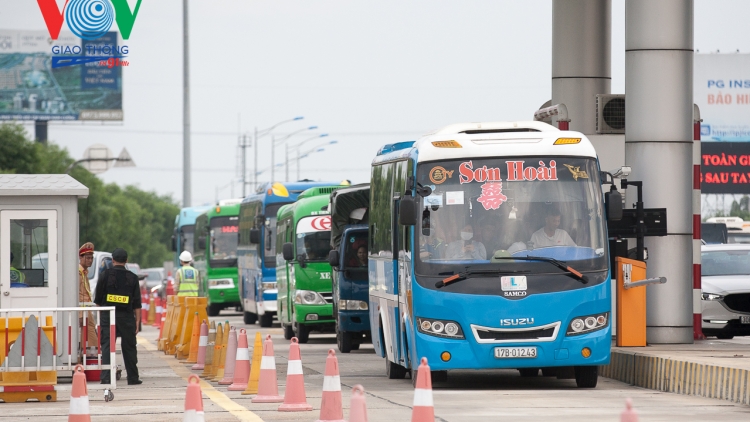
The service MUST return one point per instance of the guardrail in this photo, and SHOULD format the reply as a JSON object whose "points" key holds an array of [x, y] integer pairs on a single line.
{"points": [[41, 331]]}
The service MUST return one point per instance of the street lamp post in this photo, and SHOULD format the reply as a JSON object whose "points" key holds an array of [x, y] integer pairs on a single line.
{"points": [[256, 135], [281, 141], [299, 145]]}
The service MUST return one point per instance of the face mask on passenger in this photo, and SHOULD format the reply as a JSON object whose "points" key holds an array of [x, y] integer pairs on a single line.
{"points": [[467, 235]]}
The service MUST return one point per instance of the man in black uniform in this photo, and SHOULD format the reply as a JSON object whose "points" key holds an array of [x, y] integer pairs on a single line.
{"points": [[119, 287]]}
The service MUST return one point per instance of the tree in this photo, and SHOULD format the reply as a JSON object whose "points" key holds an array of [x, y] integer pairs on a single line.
{"points": [[138, 221]]}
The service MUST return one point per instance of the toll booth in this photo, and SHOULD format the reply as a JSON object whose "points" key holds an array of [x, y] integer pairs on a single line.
{"points": [[39, 229]]}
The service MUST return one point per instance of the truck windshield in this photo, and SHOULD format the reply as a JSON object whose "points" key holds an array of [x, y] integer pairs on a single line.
{"points": [[314, 238], [504, 207], [224, 238]]}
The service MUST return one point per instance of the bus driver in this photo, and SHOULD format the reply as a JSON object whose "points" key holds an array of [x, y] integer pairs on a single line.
{"points": [[550, 235]]}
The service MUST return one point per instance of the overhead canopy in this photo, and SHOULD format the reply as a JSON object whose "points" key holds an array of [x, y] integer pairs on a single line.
{"points": [[348, 206]]}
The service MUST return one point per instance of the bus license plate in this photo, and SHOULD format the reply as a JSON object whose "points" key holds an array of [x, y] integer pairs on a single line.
{"points": [[744, 319], [515, 352]]}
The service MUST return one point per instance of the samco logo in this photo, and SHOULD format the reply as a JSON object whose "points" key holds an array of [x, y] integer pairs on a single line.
{"points": [[118, 299], [89, 19], [439, 174]]}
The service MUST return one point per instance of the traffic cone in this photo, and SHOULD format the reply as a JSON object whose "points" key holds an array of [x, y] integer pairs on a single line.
{"points": [[230, 359], [193, 401], [194, 340], [358, 407], [241, 364], [629, 414], [295, 399], [212, 355], [157, 314], [202, 344], [423, 410], [79, 398], [219, 375], [151, 310], [268, 388], [331, 408], [252, 382]]}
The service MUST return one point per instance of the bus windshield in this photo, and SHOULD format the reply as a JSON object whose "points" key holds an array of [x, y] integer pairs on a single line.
{"points": [[224, 238], [314, 238], [483, 210]]}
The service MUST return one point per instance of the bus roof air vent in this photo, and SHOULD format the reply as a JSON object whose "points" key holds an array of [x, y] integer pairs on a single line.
{"points": [[395, 147], [316, 191], [478, 131]]}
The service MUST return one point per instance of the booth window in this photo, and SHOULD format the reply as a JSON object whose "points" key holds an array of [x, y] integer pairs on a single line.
{"points": [[29, 243]]}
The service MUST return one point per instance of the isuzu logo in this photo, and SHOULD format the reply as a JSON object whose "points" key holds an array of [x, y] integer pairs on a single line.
{"points": [[516, 321]]}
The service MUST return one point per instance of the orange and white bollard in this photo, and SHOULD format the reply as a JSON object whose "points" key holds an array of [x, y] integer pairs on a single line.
{"points": [[358, 407], [241, 363], [79, 398], [423, 410], [629, 414], [295, 399], [202, 344], [331, 407], [231, 358], [158, 313], [268, 388], [193, 401]]}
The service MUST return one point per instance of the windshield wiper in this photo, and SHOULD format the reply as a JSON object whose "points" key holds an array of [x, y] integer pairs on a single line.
{"points": [[559, 264], [469, 273]]}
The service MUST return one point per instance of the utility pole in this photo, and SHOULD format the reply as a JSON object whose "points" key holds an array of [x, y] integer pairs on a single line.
{"points": [[186, 197], [255, 158], [243, 145]]}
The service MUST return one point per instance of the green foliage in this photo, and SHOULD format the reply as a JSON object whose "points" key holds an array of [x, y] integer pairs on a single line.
{"points": [[140, 222]]}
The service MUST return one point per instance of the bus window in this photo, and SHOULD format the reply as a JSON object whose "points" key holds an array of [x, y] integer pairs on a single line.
{"points": [[269, 240], [188, 232], [224, 239]]}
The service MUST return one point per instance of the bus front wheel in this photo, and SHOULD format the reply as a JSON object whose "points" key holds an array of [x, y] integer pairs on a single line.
{"points": [[393, 370], [302, 332], [344, 341], [214, 309], [288, 332], [266, 320], [249, 318], [586, 376]]}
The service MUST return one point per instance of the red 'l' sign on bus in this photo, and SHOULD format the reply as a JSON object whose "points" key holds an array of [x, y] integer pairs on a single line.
{"points": [[230, 229], [321, 223]]}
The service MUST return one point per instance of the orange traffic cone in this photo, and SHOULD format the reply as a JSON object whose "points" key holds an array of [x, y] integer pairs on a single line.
{"points": [[629, 415], [268, 388], [79, 398], [331, 408], [295, 399], [358, 407], [212, 355], [151, 316], [230, 358], [252, 382], [423, 410], [241, 364], [202, 343], [193, 401], [157, 314], [194, 340]]}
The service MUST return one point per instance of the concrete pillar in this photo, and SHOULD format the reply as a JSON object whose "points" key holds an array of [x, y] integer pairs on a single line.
{"points": [[581, 58], [658, 146]]}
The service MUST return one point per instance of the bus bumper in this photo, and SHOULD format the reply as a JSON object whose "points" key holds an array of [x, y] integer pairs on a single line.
{"points": [[268, 304], [354, 321], [313, 314], [224, 296]]}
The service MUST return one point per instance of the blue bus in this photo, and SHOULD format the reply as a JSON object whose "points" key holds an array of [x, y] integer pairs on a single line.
{"points": [[257, 247], [184, 231], [488, 249]]}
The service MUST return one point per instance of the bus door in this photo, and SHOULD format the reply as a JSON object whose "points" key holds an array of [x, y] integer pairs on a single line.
{"points": [[399, 268]]}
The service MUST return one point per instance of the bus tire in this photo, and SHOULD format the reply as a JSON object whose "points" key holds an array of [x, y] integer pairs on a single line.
{"points": [[214, 309], [355, 346], [288, 332], [586, 376], [249, 318], [344, 341], [393, 370], [266, 320], [302, 333], [528, 372]]}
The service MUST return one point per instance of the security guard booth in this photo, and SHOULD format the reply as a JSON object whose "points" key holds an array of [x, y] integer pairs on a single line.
{"points": [[39, 228]]}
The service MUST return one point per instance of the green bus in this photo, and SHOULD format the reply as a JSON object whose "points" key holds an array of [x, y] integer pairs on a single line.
{"points": [[215, 256], [303, 274]]}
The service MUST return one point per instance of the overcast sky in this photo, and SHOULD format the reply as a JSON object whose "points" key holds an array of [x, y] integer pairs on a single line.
{"points": [[366, 72]]}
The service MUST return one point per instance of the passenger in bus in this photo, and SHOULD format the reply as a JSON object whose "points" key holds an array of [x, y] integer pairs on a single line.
{"points": [[466, 248], [491, 234], [550, 234]]}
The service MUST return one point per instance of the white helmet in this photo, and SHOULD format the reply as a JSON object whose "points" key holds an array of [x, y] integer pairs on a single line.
{"points": [[185, 256]]}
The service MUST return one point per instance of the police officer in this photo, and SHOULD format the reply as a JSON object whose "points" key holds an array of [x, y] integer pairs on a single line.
{"points": [[16, 276], [119, 287], [186, 280]]}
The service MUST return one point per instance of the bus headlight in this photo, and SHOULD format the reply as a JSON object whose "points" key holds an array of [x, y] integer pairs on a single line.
{"points": [[587, 324], [308, 297], [352, 305], [220, 283], [440, 328]]}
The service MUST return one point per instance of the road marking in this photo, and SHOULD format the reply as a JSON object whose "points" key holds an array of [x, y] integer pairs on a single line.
{"points": [[215, 395]]}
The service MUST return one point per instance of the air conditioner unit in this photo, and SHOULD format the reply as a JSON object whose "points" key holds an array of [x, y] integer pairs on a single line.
{"points": [[610, 113]]}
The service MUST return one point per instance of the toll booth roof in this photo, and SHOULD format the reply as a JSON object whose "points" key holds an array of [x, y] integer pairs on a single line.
{"points": [[41, 185]]}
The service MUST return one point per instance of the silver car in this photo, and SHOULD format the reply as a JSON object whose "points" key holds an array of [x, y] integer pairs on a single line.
{"points": [[725, 279]]}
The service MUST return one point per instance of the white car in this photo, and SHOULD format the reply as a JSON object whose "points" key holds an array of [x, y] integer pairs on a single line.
{"points": [[725, 279]]}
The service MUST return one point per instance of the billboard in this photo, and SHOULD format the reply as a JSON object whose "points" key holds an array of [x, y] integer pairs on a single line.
{"points": [[725, 167], [721, 88], [34, 87]]}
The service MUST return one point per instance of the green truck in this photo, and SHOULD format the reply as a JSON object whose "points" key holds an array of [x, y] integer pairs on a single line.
{"points": [[303, 274], [215, 255]]}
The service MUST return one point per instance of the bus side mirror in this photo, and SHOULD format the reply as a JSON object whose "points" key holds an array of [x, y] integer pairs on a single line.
{"points": [[287, 249], [174, 243], [254, 236], [202, 243], [613, 203], [407, 210], [334, 258]]}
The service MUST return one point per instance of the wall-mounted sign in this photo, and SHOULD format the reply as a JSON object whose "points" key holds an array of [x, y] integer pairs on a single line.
{"points": [[725, 167]]}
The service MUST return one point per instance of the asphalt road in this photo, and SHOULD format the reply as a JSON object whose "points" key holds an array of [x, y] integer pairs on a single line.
{"points": [[473, 395]]}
